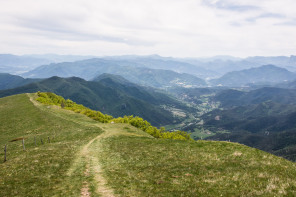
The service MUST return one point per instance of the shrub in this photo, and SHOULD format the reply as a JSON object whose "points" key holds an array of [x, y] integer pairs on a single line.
{"points": [[49, 98]]}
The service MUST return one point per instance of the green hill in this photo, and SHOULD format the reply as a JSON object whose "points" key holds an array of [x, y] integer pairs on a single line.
{"points": [[8, 81], [85, 157], [147, 94], [114, 78], [112, 97], [231, 98]]}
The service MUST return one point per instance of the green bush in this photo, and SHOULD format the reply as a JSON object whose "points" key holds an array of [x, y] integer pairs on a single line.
{"points": [[49, 98], [157, 133]]}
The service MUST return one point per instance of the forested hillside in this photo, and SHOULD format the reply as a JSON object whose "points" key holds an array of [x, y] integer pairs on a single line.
{"points": [[8, 81], [112, 98]]}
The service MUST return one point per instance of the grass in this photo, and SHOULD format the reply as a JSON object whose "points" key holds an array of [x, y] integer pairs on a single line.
{"points": [[140, 166], [41, 170], [133, 163]]}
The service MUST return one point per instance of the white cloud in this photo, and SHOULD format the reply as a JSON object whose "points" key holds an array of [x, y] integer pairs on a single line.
{"points": [[166, 27]]}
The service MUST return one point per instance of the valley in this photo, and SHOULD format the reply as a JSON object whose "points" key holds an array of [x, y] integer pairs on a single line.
{"points": [[192, 120], [240, 105]]}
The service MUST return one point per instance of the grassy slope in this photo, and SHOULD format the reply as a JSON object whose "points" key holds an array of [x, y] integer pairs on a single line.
{"points": [[133, 163], [147, 167], [121, 100], [40, 170]]}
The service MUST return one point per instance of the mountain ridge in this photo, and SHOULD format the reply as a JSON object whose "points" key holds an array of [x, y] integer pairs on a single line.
{"points": [[89, 69], [231, 97], [266, 74]]}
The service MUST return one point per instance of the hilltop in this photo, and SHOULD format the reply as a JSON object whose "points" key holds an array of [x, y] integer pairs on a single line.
{"points": [[84, 157]]}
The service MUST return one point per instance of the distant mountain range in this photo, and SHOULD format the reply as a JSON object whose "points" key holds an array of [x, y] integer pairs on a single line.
{"points": [[110, 96], [225, 64], [267, 74], [89, 69], [158, 62], [18, 64], [15, 64], [205, 68]]}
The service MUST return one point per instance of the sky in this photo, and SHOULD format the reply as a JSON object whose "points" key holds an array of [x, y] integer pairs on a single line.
{"points": [[177, 28]]}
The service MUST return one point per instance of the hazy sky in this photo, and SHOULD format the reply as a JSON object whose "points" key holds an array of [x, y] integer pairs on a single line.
{"points": [[180, 28]]}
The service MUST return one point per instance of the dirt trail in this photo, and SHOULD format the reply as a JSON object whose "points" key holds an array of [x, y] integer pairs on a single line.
{"points": [[93, 166], [88, 157], [91, 151], [89, 154]]}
